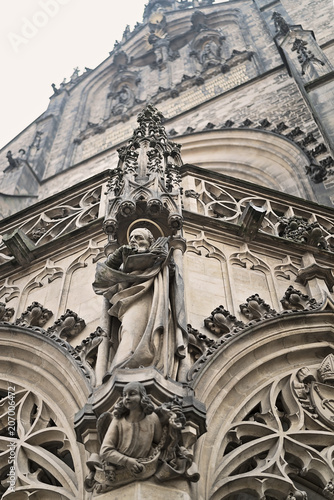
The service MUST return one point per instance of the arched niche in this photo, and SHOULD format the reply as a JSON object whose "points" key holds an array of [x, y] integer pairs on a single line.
{"points": [[263, 158], [267, 437], [41, 389]]}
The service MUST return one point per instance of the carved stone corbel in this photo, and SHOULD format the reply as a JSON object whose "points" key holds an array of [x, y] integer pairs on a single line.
{"points": [[176, 419]]}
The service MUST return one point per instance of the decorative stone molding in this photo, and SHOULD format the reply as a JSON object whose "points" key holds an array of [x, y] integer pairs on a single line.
{"points": [[301, 231], [260, 316], [287, 270], [80, 210], [247, 259], [69, 325], [35, 315], [252, 386], [313, 271], [317, 167], [220, 202]]}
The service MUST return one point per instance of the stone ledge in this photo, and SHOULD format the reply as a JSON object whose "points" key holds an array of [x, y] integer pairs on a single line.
{"points": [[143, 491]]}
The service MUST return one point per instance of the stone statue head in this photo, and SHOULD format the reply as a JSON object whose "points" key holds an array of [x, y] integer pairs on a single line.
{"points": [[141, 239], [146, 404]]}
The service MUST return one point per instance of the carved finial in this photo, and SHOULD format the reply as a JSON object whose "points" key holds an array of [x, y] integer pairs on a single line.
{"points": [[148, 155]]}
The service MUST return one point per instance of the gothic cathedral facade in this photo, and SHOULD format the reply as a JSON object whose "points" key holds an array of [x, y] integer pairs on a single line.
{"points": [[166, 265]]}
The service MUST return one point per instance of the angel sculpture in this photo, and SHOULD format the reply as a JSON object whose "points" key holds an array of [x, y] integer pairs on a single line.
{"points": [[139, 441]]}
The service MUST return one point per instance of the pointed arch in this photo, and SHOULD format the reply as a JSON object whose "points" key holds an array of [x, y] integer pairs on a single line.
{"points": [[48, 387], [261, 157], [268, 433]]}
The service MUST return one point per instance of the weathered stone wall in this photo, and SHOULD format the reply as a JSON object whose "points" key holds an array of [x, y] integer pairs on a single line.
{"points": [[220, 98]]}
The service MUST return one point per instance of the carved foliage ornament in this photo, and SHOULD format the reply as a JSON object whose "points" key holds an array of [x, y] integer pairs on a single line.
{"points": [[218, 202], [296, 300], [305, 56], [221, 321], [5, 312], [68, 325], [35, 315], [301, 231], [255, 308]]}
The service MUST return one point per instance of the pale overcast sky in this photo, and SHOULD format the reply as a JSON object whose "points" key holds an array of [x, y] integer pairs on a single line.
{"points": [[43, 40]]}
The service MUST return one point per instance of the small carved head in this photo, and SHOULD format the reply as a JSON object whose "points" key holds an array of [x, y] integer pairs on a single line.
{"points": [[141, 239], [134, 393]]}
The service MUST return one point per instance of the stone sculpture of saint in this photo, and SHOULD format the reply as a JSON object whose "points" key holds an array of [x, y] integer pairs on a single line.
{"points": [[145, 291]]}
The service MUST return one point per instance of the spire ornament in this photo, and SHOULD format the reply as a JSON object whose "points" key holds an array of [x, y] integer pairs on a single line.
{"points": [[146, 182]]}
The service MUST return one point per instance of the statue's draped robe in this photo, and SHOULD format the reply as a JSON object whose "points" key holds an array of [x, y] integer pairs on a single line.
{"points": [[130, 439], [149, 304]]}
